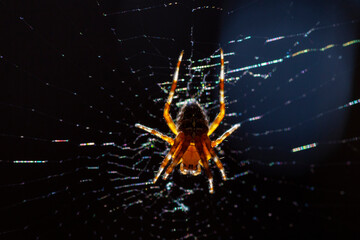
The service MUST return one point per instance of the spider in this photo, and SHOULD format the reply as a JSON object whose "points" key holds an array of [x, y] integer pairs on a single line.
{"points": [[192, 147]]}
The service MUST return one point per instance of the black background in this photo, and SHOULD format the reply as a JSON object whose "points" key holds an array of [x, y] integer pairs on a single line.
{"points": [[53, 49]]}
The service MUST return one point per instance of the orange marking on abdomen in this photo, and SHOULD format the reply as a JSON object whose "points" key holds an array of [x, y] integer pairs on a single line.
{"points": [[191, 157]]}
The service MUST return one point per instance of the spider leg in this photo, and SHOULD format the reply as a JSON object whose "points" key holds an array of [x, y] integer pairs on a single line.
{"points": [[221, 114], [225, 135], [198, 170], [204, 162], [210, 151], [182, 169], [156, 133], [177, 157], [167, 116], [173, 149]]}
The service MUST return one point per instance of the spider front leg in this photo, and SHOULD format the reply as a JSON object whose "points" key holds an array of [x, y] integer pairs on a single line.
{"points": [[225, 135], [156, 133], [167, 116], [173, 149], [221, 114]]}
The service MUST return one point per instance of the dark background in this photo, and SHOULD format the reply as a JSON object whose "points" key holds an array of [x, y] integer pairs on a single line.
{"points": [[84, 71]]}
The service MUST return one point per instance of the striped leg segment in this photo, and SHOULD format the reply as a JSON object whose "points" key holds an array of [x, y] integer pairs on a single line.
{"points": [[182, 169], [156, 133], [208, 174], [173, 149], [216, 160], [198, 170], [176, 159], [208, 148], [167, 116], [221, 114], [211, 185], [163, 165], [205, 164], [225, 135], [220, 166]]}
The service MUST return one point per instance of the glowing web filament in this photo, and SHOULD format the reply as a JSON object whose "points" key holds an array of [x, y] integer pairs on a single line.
{"points": [[305, 147]]}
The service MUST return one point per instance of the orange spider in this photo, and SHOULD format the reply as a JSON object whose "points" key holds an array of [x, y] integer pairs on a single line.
{"points": [[192, 146]]}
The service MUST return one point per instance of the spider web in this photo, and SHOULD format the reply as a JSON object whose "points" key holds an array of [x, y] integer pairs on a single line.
{"points": [[77, 77]]}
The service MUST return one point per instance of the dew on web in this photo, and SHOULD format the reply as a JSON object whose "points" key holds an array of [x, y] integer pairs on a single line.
{"points": [[78, 78]]}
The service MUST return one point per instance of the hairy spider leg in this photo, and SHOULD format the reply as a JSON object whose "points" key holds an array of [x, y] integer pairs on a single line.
{"points": [[176, 158], [176, 146], [221, 114], [167, 115], [156, 133], [205, 164], [210, 152], [182, 168], [225, 135], [198, 170]]}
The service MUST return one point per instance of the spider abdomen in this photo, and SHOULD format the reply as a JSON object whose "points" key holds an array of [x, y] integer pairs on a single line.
{"points": [[190, 161], [192, 119], [193, 127], [191, 157]]}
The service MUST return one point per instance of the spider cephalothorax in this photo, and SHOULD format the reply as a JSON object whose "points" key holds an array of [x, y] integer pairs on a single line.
{"points": [[192, 147]]}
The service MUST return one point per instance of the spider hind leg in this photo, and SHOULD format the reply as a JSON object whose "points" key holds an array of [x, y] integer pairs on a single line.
{"points": [[204, 162], [210, 151], [175, 148], [177, 157]]}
